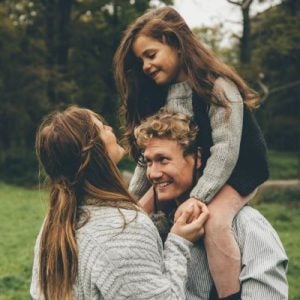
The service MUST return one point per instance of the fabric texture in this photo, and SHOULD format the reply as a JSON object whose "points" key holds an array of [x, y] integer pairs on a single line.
{"points": [[130, 263], [263, 258]]}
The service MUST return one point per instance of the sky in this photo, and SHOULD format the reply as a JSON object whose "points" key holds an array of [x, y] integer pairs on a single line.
{"points": [[209, 12]]}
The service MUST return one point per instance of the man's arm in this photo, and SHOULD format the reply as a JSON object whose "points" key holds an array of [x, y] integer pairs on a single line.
{"points": [[264, 261]]}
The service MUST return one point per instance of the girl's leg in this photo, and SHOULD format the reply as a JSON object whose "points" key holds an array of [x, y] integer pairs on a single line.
{"points": [[223, 253]]}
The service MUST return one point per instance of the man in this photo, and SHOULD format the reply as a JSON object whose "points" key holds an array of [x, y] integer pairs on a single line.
{"points": [[173, 162]]}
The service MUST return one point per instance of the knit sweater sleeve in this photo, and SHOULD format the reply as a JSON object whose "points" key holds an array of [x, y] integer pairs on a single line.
{"points": [[139, 183], [138, 268], [226, 136]]}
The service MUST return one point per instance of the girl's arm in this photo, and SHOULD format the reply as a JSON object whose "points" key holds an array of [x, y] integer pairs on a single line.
{"points": [[226, 136], [139, 183]]}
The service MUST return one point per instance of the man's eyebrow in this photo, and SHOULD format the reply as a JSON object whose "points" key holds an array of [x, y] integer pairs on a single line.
{"points": [[155, 156]]}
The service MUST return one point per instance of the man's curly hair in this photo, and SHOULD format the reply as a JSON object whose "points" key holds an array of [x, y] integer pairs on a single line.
{"points": [[168, 125]]}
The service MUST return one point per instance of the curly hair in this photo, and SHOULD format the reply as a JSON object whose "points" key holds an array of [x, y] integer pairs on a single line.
{"points": [[168, 125]]}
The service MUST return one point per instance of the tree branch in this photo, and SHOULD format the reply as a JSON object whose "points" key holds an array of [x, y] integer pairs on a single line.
{"points": [[235, 2], [246, 4]]}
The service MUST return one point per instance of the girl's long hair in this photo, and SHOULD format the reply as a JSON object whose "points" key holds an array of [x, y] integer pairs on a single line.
{"points": [[70, 149], [140, 95]]}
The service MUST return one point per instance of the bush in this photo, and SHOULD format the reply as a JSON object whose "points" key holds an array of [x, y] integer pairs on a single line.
{"points": [[19, 167]]}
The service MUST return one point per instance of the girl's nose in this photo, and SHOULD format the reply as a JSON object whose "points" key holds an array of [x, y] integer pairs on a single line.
{"points": [[146, 66]]}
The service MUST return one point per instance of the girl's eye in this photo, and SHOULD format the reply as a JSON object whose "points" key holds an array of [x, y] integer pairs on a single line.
{"points": [[151, 55]]}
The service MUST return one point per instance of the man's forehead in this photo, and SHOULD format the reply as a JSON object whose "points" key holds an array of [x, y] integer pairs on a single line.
{"points": [[161, 146]]}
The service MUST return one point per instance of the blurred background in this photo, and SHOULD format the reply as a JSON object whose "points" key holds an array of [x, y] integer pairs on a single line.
{"points": [[59, 52]]}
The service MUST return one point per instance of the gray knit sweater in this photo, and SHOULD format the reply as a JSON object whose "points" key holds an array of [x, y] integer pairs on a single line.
{"points": [[128, 264], [226, 135]]}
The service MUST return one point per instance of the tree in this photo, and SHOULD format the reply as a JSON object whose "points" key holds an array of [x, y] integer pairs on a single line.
{"points": [[59, 52], [245, 44], [276, 51]]}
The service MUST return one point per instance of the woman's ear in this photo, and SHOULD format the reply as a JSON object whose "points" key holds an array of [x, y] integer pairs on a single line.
{"points": [[199, 163]]}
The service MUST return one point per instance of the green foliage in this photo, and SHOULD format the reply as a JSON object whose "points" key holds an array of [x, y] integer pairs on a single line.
{"points": [[284, 165], [55, 53], [275, 40]]}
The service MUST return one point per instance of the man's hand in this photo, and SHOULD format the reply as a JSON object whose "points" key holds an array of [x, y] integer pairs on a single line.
{"points": [[185, 206], [191, 231]]}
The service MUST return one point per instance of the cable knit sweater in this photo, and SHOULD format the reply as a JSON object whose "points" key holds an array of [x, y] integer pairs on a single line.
{"points": [[226, 135], [128, 264]]}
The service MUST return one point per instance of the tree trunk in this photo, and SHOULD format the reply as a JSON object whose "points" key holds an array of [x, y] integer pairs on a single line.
{"points": [[245, 55], [64, 32]]}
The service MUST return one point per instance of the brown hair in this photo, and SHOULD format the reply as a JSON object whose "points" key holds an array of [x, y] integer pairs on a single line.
{"points": [[140, 96], [169, 125], [69, 147]]}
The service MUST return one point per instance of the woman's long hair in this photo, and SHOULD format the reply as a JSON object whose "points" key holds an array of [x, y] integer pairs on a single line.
{"points": [[140, 95], [70, 149]]}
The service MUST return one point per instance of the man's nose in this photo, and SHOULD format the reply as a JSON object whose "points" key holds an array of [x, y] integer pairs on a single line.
{"points": [[154, 172]]}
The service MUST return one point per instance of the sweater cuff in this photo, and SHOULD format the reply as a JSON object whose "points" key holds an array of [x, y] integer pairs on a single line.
{"points": [[173, 236]]}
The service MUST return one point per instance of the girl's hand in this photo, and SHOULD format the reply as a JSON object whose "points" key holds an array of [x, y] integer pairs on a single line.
{"points": [[194, 230], [185, 206]]}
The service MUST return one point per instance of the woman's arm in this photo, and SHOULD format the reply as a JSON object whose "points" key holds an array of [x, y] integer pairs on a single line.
{"points": [[139, 268]]}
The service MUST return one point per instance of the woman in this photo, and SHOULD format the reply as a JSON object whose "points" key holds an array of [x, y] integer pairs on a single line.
{"points": [[96, 243]]}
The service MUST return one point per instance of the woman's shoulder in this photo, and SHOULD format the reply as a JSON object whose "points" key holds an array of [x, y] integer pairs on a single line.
{"points": [[113, 221]]}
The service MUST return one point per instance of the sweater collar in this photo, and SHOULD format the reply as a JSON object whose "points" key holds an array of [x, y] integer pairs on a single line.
{"points": [[179, 90]]}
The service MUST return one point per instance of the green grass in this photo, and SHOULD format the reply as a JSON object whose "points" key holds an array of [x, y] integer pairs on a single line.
{"points": [[21, 216], [284, 165], [22, 212]]}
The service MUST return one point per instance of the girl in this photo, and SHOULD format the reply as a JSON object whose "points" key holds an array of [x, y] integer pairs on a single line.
{"points": [[95, 242], [159, 62]]}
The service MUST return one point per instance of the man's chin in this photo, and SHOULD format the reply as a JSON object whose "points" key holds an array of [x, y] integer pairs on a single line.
{"points": [[163, 197]]}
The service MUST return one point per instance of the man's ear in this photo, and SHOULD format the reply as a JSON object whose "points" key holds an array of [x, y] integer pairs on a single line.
{"points": [[199, 163]]}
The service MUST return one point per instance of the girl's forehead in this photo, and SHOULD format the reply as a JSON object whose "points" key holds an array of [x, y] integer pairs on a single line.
{"points": [[145, 43]]}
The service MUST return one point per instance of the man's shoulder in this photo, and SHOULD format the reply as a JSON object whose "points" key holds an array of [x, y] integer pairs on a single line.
{"points": [[254, 232], [248, 213], [248, 218]]}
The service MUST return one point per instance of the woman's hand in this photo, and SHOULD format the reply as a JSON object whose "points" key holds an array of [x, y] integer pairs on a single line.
{"points": [[193, 230]]}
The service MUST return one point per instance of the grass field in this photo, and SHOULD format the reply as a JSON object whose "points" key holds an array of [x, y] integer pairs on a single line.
{"points": [[21, 216], [284, 165]]}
